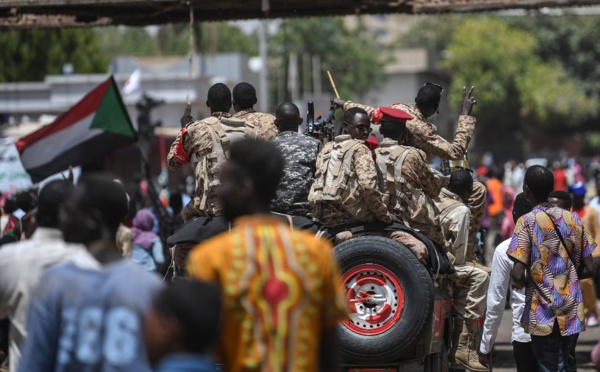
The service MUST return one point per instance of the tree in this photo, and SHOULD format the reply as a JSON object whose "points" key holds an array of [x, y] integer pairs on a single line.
{"points": [[353, 57], [217, 37], [117, 41], [518, 93], [571, 40], [30, 55]]}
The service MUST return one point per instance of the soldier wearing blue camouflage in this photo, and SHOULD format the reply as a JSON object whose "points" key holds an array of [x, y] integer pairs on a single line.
{"points": [[300, 154]]}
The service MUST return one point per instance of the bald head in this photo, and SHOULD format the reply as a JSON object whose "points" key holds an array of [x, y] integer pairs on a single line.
{"points": [[287, 117]]}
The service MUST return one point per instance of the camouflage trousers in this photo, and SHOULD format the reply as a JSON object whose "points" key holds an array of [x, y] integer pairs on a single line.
{"points": [[476, 203], [415, 245]]}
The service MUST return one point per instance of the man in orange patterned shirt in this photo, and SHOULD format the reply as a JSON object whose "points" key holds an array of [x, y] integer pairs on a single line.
{"points": [[281, 296]]}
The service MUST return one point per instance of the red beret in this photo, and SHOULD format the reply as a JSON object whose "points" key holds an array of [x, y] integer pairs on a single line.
{"points": [[392, 114], [372, 142]]}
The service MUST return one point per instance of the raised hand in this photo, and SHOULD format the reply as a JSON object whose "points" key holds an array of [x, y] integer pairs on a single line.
{"points": [[468, 101], [187, 115]]}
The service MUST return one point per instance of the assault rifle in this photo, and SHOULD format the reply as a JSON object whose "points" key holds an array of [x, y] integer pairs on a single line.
{"points": [[320, 128]]}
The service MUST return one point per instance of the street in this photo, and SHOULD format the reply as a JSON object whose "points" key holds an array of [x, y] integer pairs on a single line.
{"points": [[503, 361]]}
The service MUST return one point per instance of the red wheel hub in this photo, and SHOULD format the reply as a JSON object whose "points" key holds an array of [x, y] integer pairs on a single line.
{"points": [[375, 297]]}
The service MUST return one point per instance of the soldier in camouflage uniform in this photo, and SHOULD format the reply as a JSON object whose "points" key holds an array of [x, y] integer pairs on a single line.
{"points": [[244, 99], [426, 138], [202, 142], [300, 154], [406, 177], [332, 197]]}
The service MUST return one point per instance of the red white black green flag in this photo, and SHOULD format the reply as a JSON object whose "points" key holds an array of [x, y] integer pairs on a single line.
{"points": [[96, 126]]}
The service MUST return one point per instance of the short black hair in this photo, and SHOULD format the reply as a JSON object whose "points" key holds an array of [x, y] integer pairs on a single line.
{"points": [[51, 198], [102, 193], [461, 181], [260, 161], [287, 114], [429, 95], [244, 95], [351, 113], [219, 98], [540, 182], [392, 129], [26, 201], [10, 206], [196, 306], [521, 206], [562, 195]]}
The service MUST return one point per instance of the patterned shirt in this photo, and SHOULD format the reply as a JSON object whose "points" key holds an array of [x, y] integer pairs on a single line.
{"points": [[553, 293], [280, 291], [300, 154], [264, 123]]}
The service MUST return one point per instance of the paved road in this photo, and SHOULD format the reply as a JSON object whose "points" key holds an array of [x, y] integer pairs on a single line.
{"points": [[503, 360]]}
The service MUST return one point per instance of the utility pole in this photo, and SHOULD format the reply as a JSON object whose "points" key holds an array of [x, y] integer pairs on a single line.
{"points": [[263, 82]]}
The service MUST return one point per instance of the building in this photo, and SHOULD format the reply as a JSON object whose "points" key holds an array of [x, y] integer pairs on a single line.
{"points": [[163, 78]]}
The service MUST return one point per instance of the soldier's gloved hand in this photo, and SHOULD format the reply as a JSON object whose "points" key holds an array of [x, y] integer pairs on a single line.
{"points": [[339, 102], [187, 116], [468, 101]]}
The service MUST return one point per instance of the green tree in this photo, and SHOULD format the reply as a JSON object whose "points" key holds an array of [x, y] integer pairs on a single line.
{"points": [[352, 55], [117, 41], [570, 39], [30, 55], [518, 93], [220, 37]]}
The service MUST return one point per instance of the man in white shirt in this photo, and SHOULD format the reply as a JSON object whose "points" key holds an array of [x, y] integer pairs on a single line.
{"points": [[471, 281], [496, 298], [22, 263]]}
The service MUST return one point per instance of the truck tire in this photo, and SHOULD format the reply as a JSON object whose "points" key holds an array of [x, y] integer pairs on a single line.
{"points": [[390, 294]]}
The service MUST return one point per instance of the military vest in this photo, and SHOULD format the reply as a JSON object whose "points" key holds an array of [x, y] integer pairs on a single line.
{"points": [[224, 132], [406, 200], [336, 181]]}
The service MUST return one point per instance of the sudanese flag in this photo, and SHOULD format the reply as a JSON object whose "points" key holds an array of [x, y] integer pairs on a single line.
{"points": [[96, 126]]}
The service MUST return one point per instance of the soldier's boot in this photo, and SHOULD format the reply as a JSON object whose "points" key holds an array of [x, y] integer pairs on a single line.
{"points": [[458, 326], [466, 354]]}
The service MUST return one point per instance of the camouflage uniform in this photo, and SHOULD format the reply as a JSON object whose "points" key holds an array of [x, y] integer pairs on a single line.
{"points": [[415, 172], [264, 123], [425, 133], [365, 173], [471, 281], [426, 139], [300, 154], [198, 141]]}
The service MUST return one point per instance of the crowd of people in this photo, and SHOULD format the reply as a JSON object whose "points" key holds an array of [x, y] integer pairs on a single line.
{"points": [[78, 268]]}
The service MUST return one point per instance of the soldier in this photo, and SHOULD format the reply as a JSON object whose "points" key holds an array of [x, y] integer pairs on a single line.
{"points": [[471, 281], [300, 155], [206, 143], [346, 188], [244, 99], [406, 178], [426, 104]]}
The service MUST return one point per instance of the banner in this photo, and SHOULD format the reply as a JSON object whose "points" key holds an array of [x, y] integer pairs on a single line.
{"points": [[13, 175]]}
